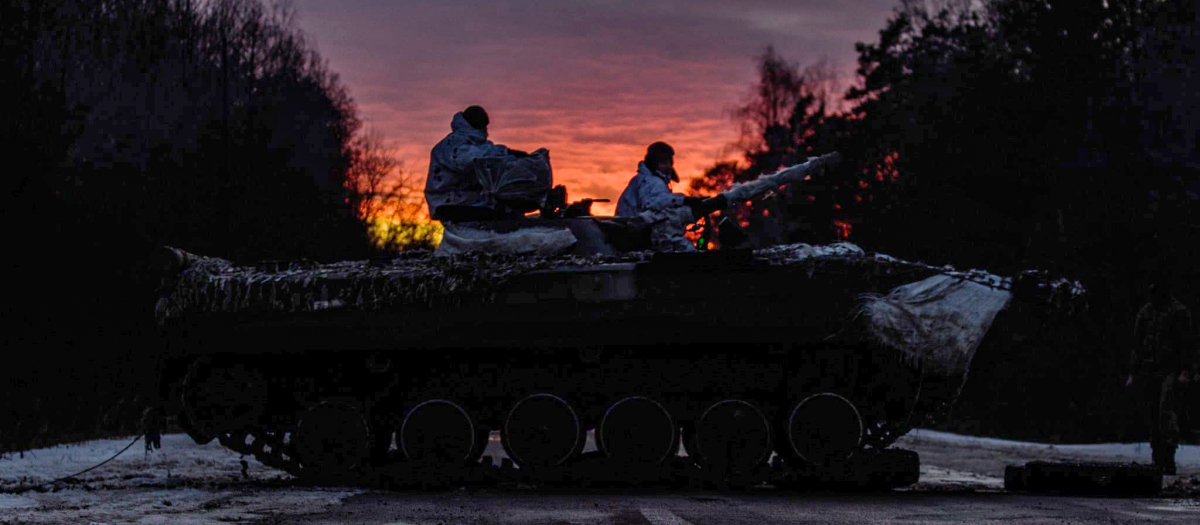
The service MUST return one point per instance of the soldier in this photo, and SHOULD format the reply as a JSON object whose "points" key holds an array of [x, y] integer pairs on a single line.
{"points": [[650, 188], [1162, 354], [1189, 418], [649, 191], [452, 187]]}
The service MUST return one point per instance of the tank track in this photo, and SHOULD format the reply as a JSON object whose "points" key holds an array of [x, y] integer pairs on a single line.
{"points": [[878, 469], [265, 446], [270, 441]]}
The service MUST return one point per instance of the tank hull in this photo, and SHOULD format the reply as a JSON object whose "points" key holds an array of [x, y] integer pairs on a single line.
{"points": [[728, 344]]}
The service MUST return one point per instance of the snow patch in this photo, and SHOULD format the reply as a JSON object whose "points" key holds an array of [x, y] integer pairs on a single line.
{"points": [[1186, 457], [183, 483], [180, 457]]}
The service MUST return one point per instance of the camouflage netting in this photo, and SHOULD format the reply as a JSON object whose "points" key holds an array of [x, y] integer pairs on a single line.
{"points": [[211, 285], [199, 285]]}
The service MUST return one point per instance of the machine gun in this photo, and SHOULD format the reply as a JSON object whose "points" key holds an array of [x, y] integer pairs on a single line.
{"points": [[555, 205]]}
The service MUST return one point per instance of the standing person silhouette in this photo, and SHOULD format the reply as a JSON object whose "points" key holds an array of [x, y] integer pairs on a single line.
{"points": [[1162, 353]]}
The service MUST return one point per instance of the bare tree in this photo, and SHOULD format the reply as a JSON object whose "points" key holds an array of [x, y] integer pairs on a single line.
{"points": [[822, 81], [764, 117], [387, 197], [781, 116], [210, 124]]}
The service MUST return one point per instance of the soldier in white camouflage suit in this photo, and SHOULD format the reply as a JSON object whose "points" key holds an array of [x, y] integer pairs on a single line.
{"points": [[649, 197], [452, 188]]}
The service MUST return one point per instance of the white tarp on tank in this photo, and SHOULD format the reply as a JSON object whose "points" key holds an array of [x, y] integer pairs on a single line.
{"points": [[518, 182], [940, 320], [457, 239]]}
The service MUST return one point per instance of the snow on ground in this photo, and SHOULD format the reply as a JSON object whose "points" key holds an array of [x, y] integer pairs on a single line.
{"points": [[200, 484], [183, 483], [977, 462], [179, 457]]}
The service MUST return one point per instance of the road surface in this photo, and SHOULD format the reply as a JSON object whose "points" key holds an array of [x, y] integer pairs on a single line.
{"points": [[748, 509], [185, 483]]}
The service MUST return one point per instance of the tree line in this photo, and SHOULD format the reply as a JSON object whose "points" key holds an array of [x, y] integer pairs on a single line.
{"points": [[213, 126], [1006, 135], [1002, 134]]}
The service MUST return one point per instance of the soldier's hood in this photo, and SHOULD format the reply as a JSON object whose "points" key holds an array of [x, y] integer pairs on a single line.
{"points": [[645, 170], [459, 124]]}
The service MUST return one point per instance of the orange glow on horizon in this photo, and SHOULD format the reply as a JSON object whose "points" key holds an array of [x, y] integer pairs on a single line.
{"points": [[594, 98]]}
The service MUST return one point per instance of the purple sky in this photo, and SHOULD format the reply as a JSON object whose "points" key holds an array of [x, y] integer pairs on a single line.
{"points": [[594, 82]]}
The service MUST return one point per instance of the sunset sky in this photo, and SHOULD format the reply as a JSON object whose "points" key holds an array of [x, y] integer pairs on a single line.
{"points": [[594, 82]]}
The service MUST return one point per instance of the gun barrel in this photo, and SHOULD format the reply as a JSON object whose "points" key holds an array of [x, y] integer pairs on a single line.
{"points": [[789, 175], [667, 225]]}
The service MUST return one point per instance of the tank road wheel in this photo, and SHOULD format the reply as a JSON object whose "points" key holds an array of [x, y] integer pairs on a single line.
{"points": [[541, 430], [637, 430], [440, 431], [886, 397], [221, 397], [824, 428], [330, 440], [731, 436]]}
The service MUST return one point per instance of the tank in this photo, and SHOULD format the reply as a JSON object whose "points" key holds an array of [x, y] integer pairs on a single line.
{"points": [[790, 363]]}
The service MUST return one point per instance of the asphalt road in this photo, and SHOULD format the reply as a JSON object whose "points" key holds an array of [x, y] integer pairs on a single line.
{"points": [[746, 508], [189, 484]]}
